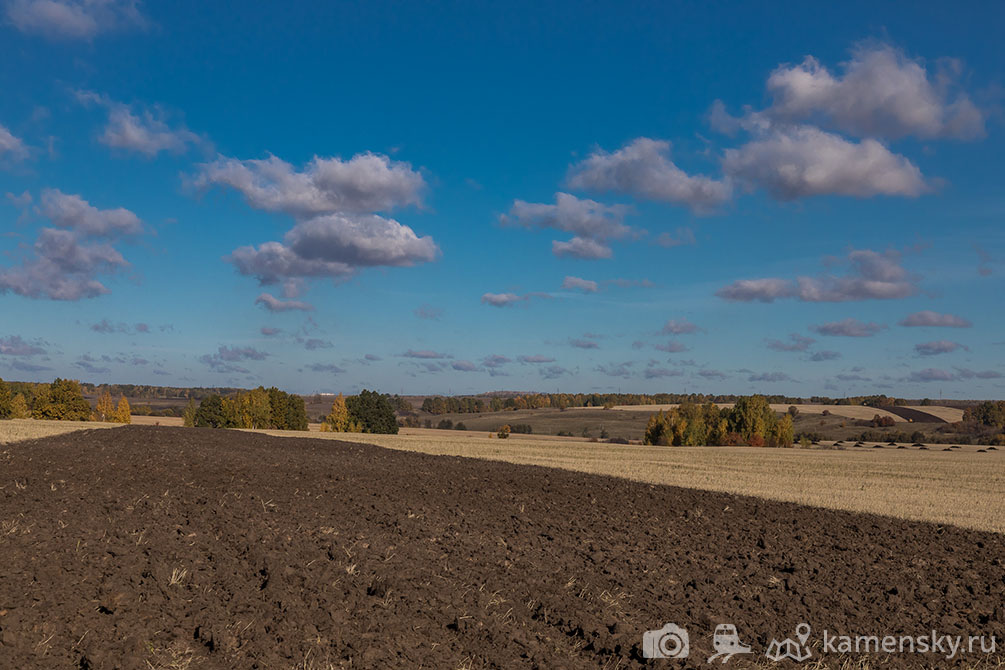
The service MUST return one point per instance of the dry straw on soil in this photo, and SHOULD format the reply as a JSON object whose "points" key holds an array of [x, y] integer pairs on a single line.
{"points": [[16, 430], [959, 487]]}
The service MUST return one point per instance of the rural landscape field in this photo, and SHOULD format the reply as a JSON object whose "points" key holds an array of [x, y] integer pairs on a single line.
{"points": [[489, 336]]}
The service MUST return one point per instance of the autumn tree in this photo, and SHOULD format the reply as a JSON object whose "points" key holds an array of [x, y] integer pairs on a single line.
{"points": [[337, 420], [188, 416], [123, 414], [5, 400], [782, 434], [62, 400], [504, 432], [19, 407], [372, 412], [105, 409]]}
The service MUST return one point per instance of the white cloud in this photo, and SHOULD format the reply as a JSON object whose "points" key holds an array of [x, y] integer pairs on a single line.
{"points": [[11, 147], [579, 284], [848, 328], [145, 131], [683, 236], [793, 162], [880, 93], [679, 327], [274, 304], [872, 276], [502, 299], [335, 246], [74, 19], [75, 213], [643, 168], [592, 223], [929, 319], [761, 290], [581, 247], [367, 182], [66, 264], [937, 347]]}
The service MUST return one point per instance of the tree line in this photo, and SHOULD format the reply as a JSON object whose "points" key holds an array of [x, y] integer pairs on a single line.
{"points": [[475, 405], [258, 408], [62, 400], [749, 421]]}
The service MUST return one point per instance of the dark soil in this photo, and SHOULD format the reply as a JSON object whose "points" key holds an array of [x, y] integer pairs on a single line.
{"points": [[349, 555]]}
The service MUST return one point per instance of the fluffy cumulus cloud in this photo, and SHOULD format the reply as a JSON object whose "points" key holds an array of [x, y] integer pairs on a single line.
{"points": [[929, 319], [11, 148], [792, 162], [643, 168], [274, 304], [367, 182], [591, 223], [937, 347], [143, 130], [848, 328], [67, 260], [871, 275], [62, 267], [336, 245], [333, 202], [880, 92], [74, 19], [74, 213], [579, 284]]}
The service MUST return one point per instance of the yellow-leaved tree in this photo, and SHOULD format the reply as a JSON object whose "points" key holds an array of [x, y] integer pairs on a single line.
{"points": [[19, 407], [123, 413], [337, 420], [105, 410]]}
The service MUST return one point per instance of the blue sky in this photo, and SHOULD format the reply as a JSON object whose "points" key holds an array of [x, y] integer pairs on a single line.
{"points": [[461, 197]]}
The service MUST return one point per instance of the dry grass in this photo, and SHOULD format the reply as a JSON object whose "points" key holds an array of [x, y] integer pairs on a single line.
{"points": [[959, 487], [16, 430], [157, 420], [948, 414]]}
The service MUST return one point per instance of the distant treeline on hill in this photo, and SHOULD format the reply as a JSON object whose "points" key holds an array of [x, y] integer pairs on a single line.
{"points": [[144, 391], [496, 403]]}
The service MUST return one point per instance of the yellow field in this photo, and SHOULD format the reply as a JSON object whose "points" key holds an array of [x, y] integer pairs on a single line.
{"points": [[29, 429], [960, 487], [949, 414]]}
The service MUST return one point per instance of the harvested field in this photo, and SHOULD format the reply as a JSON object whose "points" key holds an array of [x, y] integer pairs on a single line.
{"points": [[961, 487], [14, 430], [147, 546], [157, 420], [947, 414]]}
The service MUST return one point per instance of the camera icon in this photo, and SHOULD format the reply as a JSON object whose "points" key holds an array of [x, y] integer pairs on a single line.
{"points": [[670, 641]]}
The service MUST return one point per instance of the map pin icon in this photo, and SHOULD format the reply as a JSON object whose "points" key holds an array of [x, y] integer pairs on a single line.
{"points": [[803, 632]]}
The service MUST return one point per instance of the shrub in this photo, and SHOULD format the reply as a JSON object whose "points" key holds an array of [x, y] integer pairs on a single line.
{"points": [[460, 426], [793, 411], [445, 424], [504, 432], [524, 428]]}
